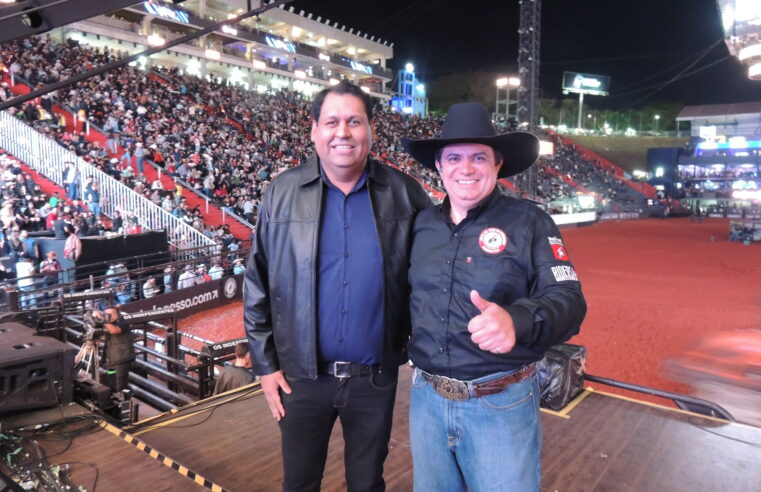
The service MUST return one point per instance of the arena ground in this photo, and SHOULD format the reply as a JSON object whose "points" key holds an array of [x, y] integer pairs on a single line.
{"points": [[653, 288]]}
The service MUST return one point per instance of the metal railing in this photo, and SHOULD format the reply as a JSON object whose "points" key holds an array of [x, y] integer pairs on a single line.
{"points": [[47, 157]]}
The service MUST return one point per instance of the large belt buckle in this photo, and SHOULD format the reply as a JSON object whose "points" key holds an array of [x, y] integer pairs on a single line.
{"points": [[452, 389], [341, 369]]}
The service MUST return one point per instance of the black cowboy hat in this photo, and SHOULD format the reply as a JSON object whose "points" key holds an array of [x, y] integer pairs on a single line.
{"points": [[471, 123]]}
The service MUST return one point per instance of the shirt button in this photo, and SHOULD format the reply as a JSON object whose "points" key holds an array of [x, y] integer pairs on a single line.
{"points": [[449, 262], [343, 311], [444, 291], [442, 320], [456, 234], [346, 282], [346, 226], [441, 350]]}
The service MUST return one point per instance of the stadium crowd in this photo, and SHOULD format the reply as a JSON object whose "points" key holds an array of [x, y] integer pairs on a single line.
{"points": [[222, 141]]}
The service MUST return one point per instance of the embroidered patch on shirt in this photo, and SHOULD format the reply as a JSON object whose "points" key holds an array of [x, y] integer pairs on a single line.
{"points": [[492, 240], [557, 248], [562, 273]]}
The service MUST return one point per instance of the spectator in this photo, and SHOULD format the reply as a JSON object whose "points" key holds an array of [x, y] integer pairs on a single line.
{"points": [[238, 374], [149, 288], [216, 272], [50, 267], [187, 278], [168, 279], [71, 179], [25, 276], [92, 196]]}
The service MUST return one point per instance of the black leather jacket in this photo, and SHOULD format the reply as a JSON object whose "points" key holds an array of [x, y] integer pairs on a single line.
{"points": [[280, 292]]}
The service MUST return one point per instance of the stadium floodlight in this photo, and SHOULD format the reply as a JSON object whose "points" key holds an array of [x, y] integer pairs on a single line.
{"points": [[420, 87], [409, 67], [751, 51], [155, 40], [546, 147], [514, 81], [299, 74], [754, 71], [502, 82]]}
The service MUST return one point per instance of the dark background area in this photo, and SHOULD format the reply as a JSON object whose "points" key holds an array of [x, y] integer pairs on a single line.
{"points": [[641, 44]]}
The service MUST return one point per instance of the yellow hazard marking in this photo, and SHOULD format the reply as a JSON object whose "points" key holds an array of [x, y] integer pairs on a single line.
{"points": [[168, 462]]}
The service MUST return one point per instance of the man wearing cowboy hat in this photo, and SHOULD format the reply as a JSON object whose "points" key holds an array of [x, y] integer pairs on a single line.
{"points": [[492, 289]]}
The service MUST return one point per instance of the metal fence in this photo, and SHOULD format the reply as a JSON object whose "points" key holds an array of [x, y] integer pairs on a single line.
{"points": [[48, 158]]}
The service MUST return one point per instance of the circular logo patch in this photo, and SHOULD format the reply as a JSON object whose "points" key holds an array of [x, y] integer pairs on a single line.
{"points": [[492, 240], [230, 287]]}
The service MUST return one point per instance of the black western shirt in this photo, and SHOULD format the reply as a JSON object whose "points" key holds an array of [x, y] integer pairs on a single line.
{"points": [[512, 253]]}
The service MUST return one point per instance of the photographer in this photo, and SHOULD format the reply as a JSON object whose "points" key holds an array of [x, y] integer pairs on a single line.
{"points": [[119, 350]]}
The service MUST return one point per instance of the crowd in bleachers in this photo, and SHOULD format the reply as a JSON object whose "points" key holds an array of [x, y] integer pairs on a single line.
{"points": [[566, 160], [221, 140]]}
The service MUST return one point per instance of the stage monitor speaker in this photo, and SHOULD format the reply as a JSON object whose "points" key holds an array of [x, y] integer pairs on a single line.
{"points": [[35, 371]]}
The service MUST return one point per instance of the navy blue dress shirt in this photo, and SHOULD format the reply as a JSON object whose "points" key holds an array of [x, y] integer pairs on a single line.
{"points": [[350, 290]]}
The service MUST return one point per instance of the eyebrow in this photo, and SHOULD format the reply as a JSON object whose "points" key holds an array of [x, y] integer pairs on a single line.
{"points": [[451, 153]]}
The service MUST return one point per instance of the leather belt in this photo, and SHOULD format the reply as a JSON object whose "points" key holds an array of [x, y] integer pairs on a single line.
{"points": [[456, 390], [341, 369]]}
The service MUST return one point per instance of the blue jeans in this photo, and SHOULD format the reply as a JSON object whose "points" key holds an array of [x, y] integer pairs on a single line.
{"points": [[94, 208], [71, 191], [488, 443]]}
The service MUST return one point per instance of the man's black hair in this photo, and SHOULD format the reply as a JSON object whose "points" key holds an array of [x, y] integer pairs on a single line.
{"points": [[341, 88]]}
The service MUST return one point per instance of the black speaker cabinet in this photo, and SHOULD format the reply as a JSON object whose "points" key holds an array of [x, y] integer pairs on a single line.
{"points": [[35, 371]]}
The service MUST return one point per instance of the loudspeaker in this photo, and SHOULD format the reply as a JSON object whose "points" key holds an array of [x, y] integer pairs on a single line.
{"points": [[35, 371]]}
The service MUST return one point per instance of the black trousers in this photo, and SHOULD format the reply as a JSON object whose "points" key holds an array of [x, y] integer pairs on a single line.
{"points": [[121, 379], [365, 406]]}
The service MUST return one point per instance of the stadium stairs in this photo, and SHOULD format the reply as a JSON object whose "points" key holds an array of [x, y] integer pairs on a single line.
{"points": [[213, 215], [601, 162]]}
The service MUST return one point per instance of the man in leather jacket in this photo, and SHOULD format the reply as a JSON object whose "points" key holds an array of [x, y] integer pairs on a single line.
{"points": [[326, 295]]}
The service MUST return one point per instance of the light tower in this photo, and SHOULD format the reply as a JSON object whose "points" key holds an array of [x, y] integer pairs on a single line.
{"points": [[528, 63], [527, 110], [741, 20]]}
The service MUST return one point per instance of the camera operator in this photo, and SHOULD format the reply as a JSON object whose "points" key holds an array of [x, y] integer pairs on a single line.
{"points": [[119, 350]]}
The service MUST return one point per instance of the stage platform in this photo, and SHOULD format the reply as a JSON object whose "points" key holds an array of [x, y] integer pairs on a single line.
{"points": [[599, 442]]}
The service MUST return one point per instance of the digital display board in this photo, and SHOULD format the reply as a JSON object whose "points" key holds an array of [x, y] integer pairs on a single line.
{"points": [[597, 85]]}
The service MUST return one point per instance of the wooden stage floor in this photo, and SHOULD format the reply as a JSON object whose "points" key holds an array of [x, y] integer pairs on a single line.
{"points": [[604, 442]]}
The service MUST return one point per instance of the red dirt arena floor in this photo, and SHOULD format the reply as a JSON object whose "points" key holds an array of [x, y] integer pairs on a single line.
{"points": [[653, 288]]}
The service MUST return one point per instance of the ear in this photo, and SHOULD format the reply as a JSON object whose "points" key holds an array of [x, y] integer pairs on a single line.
{"points": [[438, 166], [314, 130]]}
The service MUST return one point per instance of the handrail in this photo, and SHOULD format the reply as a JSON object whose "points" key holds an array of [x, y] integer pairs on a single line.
{"points": [[184, 183], [707, 407], [48, 158]]}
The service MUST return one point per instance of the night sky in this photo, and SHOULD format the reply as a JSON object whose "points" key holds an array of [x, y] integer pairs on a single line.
{"points": [[640, 44]]}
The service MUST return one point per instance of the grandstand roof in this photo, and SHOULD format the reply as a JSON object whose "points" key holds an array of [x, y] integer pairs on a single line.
{"points": [[707, 110]]}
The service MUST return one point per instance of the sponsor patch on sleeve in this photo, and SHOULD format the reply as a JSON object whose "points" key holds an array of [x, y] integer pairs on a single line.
{"points": [[557, 248], [563, 272]]}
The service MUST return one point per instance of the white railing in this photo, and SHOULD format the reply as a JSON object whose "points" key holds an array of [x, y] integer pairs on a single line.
{"points": [[47, 157]]}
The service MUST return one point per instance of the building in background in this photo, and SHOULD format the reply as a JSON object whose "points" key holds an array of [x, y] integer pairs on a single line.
{"points": [[281, 49]]}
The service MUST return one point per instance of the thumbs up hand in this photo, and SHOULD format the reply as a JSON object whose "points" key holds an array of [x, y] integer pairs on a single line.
{"points": [[492, 330]]}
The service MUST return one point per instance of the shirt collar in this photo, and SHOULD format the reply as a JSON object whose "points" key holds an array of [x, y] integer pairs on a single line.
{"points": [[446, 207], [357, 186], [313, 170]]}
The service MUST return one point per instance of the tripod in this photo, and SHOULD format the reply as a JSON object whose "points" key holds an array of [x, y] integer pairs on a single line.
{"points": [[89, 358]]}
